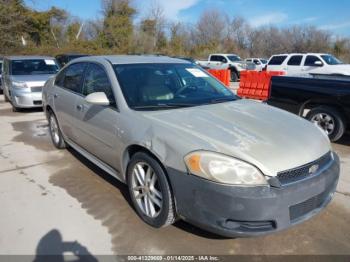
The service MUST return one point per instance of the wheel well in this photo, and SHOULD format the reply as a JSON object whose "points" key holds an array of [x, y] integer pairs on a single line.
{"points": [[312, 105], [132, 150], [48, 109]]}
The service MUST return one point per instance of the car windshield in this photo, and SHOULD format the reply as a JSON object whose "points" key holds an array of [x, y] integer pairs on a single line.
{"points": [[331, 60], [33, 67], [166, 86], [234, 58]]}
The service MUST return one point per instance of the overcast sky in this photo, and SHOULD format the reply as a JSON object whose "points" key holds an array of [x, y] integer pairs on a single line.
{"points": [[330, 15]]}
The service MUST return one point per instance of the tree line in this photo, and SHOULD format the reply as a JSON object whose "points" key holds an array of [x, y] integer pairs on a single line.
{"points": [[27, 31]]}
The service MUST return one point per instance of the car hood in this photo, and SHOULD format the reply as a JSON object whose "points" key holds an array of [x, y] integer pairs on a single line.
{"points": [[269, 138], [32, 80]]}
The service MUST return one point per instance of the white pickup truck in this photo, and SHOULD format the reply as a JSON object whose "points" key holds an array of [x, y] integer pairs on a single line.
{"points": [[311, 63], [227, 61]]}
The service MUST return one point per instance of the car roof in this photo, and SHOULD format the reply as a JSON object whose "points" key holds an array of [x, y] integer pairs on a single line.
{"points": [[301, 54], [132, 59], [28, 57]]}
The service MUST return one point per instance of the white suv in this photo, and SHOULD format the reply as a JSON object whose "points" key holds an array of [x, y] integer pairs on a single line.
{"points": [[260, 63], [311, 63]]}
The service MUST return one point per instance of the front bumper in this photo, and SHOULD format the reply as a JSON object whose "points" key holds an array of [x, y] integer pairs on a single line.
{"points": [[25, 98], [235, 211]]}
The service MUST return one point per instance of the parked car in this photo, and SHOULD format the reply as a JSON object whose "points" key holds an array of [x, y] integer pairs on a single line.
{"points": [[323, 101], [188, 148], [64, 59], [260, 63], [24, 77], [227, 61], [311, 63], [1, 61]]}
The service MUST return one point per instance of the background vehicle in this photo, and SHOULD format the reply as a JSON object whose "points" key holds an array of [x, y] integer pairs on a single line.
{"points": [[323, 101], [260, 63], [1, 61], [24, 77], [145, 120], [64, 59], [311, 63], [227, 61]]}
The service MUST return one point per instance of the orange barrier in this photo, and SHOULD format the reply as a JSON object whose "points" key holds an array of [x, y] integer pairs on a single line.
{"points": [[256, 85], [222, 75]]}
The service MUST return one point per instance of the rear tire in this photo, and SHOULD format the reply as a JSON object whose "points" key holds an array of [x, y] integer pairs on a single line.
{"points": [[150, 191], [55, 131], [330, 120]]}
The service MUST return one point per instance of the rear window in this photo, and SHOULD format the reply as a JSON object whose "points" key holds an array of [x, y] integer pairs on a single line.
{"points": [[277, 60], [33, 67], [295, 60]]}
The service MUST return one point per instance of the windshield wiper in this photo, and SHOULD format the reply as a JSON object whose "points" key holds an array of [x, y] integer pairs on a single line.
{"points": [[163, 106], [221, 100]]}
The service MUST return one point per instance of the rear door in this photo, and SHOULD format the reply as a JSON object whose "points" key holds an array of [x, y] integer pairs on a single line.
{"points": [[294, 66], [276, 63], [68, 88], [98, 125]]}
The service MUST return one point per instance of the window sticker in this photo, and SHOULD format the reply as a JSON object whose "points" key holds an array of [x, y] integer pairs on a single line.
{"points": [[49, 62], [196, 72]]}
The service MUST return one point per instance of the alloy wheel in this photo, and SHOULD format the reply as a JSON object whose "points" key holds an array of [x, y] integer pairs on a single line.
{"points": [[325, 121], [146, 189], [54, 129]]}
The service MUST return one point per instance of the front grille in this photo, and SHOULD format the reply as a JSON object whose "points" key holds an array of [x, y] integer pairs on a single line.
{"points": [[303, 172], [37, 102], [36, 88], [299, 210]]}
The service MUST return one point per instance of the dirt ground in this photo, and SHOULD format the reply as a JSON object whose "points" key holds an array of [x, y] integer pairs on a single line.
{"points": [[58, 202]]}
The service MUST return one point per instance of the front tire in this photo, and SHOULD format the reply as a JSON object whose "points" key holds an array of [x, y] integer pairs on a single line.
{"points": [[150, 191], [330, 120], [55, 132]]}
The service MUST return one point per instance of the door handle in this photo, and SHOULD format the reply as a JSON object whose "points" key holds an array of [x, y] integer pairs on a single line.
{"points": [[80, 107]]}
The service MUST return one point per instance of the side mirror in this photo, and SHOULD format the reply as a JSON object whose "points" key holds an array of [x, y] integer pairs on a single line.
{"points": [[97, 98], [318, 63]]}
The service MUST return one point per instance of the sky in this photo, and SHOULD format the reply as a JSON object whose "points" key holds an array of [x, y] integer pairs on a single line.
{"points": [[328, 15]]}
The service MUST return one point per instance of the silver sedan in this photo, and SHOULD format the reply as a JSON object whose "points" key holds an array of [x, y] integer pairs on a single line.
{"points": [[188, 148]]}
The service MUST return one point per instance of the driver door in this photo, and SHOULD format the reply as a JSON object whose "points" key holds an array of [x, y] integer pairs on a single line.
{"points": [[97, 124], [313, 65]]}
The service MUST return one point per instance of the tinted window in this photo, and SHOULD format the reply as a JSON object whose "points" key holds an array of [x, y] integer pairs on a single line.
{"points": [[295, 60], [217, 58], [33, 67], [73, 77], [96, 80], [277, 60], [311, 59], [257, 62], [0, 67], [60, 78], [234, 58], [159, 86]]}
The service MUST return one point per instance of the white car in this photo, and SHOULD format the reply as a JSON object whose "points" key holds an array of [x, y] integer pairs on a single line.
{"points": [[311, 63], [260, 63], [227, 61]]}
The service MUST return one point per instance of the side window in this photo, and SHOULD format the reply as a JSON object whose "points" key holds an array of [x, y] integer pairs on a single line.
{"points": [[73, 76], [295, 60], [59, 78], [223, 59], [257, 62], [215, 58], [312, 60], [96, 80], [277, 60]]}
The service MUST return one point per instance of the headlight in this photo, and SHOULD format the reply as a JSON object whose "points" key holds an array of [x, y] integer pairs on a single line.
{"points": [[223, 169], [17, 84]]}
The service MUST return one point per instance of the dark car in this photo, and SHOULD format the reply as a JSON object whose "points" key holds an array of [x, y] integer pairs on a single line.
{"points": [[64, 59], [323, 100]]}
